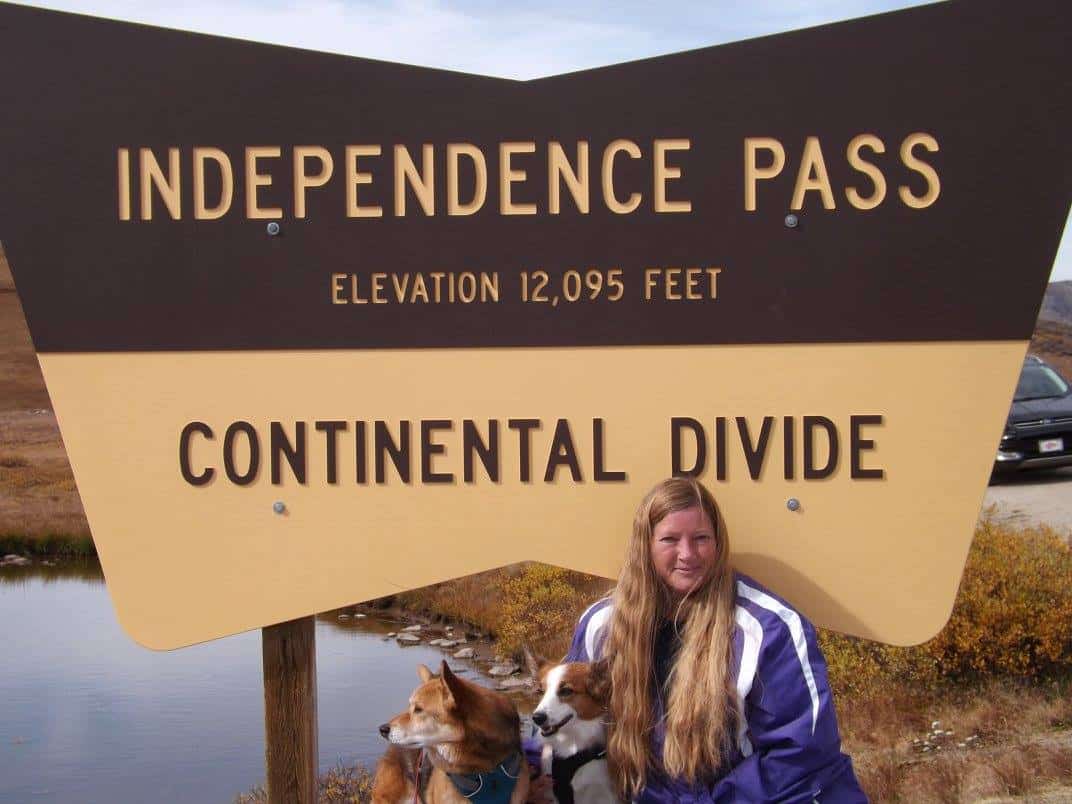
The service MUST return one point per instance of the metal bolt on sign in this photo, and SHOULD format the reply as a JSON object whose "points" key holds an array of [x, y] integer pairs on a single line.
{"points": [[793, 504], [279, 506], [792, 221], [273, 228]]}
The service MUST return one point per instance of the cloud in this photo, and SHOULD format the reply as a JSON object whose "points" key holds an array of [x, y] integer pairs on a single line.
{"points": [[511, 41]]}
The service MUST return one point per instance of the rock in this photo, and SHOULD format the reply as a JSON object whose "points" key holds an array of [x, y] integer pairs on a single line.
{"points": [[437, 642], [937, 724], [447, 643], [408, 638], [512, 683], [392, 634], [344, 616], [503, 670], [465, 653], [360, 616], [450, 627], [413, 628]]}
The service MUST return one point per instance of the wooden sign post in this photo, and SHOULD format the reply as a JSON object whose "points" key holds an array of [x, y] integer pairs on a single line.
{"points": [[290, 723]]}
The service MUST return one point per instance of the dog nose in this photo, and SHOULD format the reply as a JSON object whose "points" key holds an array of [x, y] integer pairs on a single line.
{"points": [[539, 718], [385, 729]]}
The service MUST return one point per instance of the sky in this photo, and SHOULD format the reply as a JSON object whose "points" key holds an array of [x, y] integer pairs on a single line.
{"points": [[497, 37]]}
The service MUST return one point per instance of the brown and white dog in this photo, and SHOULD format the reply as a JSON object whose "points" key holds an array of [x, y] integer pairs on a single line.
{"points": [[571, 717], [457, 742]]}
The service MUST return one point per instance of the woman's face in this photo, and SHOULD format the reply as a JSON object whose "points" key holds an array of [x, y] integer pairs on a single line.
{"points": [[683, 549]]}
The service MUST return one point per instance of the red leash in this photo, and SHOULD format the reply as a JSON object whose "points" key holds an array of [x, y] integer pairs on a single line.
{"points": [[417, 781]]}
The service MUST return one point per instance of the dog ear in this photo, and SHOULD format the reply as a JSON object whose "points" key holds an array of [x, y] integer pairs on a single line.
{"points": [[423, 673], [533, 663], [455, 686], [598, 684]]}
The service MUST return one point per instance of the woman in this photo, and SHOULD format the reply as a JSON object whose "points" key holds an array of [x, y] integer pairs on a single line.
{"points": [[719, 688]]}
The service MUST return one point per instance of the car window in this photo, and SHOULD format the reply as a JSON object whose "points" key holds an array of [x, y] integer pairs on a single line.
{"points": [[1039, 382]]}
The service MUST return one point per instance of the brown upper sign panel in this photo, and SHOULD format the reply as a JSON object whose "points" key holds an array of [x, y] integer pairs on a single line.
{"points": [[924, 153], [452, 322]]}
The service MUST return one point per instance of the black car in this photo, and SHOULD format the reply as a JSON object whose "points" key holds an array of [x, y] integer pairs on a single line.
{"points": [[1038, 433]]}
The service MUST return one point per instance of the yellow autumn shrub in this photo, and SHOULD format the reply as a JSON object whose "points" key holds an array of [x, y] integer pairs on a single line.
{"points": [[1013, 614], [1012, 618], [539, 608]]}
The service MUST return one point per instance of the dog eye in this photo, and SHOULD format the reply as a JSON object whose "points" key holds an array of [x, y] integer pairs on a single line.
{"points": [[417, 710], [565, 692]]}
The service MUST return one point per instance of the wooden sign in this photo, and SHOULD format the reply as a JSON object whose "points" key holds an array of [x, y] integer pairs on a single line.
{"points": [[318, 329]]}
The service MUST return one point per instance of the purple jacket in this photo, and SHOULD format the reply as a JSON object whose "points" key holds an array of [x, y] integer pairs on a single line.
{"points": [[789, 749]]}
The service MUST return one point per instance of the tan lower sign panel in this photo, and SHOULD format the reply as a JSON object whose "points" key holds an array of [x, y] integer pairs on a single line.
{"points": [[877, 557], [460, 321]]}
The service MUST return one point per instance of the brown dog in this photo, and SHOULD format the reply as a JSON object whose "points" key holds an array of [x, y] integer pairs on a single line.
{"points": [[457, 742]]}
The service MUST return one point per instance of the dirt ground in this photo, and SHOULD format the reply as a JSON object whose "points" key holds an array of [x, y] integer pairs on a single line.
{"points": [[1033, 498]]}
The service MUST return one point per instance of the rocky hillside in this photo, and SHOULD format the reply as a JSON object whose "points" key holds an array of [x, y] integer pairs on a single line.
{"points": [[1052, 342], [1057, 303]]}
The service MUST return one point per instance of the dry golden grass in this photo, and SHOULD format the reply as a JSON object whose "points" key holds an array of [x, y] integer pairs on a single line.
{"points": [[340, 785], [7, 282], [38, 498], [21, 385], [1024, 743]]}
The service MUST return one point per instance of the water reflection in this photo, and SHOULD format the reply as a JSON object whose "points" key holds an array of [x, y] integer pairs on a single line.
{"points": [[87, 571], [87, 715]]}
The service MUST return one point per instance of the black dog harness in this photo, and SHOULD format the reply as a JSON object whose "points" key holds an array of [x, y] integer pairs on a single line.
{"points": [[563, 771]]}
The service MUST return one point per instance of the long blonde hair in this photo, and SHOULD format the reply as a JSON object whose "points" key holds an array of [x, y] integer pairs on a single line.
{"points": [[701, 714]]}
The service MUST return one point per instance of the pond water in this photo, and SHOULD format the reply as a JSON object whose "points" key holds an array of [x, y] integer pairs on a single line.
{"points": [[87, 715]]}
